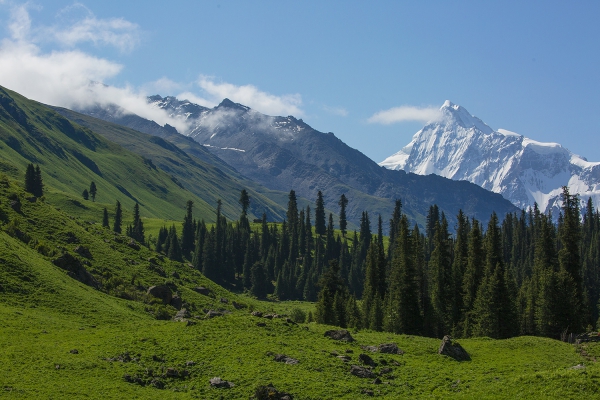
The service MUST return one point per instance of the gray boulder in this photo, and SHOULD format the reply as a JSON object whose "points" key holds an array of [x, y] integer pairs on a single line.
{"points": [[220, 383], [340, 334], [361, 372], [453, 349], [162, 292]]}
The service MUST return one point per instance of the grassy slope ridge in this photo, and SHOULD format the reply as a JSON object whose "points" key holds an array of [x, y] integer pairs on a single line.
{"points": [[195, 167], [44, 314], [71, 156]]}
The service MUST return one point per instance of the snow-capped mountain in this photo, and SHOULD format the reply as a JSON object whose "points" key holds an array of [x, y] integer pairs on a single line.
{"points": [[460, 146]]}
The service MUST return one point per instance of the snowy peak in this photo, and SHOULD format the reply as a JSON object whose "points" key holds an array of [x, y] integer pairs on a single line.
{"points": [[460, 146]]}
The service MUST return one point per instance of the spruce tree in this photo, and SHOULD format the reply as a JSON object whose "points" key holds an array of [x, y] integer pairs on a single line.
{"points": [[343, 202], [85, 194], [320, 215], [93, 190], [137, 228], [30, 179], [441, 284], [259, 280], [39, 184], [118, 218], [174, 251], [105, 223], [187, 232]]}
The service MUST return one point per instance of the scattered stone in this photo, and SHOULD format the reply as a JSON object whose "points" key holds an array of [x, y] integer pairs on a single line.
{"points": [[16, 205], [389, 348], [220, 383], [290, 321], [133, 379], [377, 381], [162, 292], [365, 359], [175, 275], [368, 392], [344, 358], [385, 370], [133, 244], [453, 349], [224, 300], [349, 351], [182, 315], [578, 367], [83, 251], [74, 351], [202, 290], [238, 306], [190, 323], [57, 366], [190, 363], [257, 314], [341, 334], [172, 373], [285, 359], [176, 302], [152, 260], [157, 383], [261, 324], [396, 363], [76, 270], [212, 314], [157, 358], [269, 392], [372, 349], [361, 372], [124, 357]]}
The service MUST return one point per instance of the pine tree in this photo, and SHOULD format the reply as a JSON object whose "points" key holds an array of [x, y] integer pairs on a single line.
{"points": [[93, 191], [38, 183], [210, 267], [118, 218], [244, 201], [174, 250], [343, 203], [473, 275], [320, 215], [331, 284], [188, 233], [30, 179], [402, 313], [259, 280], [105, 218], [85, 194], [441, 285], [137, 228]]}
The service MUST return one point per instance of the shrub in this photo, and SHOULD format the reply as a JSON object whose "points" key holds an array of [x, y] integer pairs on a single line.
{"points": [[297, 315]]}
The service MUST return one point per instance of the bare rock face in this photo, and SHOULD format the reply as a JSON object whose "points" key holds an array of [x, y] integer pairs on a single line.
{"points": [[453, 349], [162, 292], [202, 290], [340, 334]]}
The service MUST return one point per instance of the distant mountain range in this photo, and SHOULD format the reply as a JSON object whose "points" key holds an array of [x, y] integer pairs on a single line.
{"points": [[283, 153], [460, 146]]}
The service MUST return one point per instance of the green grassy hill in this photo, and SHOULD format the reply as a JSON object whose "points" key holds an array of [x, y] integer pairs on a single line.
{"points": [[155, 173], [61, 338]]}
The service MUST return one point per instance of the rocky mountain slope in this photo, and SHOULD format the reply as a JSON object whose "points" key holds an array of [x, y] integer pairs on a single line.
{"points": [[284, 153], [460, 146]]}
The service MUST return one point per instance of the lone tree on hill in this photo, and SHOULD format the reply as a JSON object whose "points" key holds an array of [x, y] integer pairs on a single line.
{"points": [[105, 218], [33, 180], [118, 218], [93, 191], [85, 194]]}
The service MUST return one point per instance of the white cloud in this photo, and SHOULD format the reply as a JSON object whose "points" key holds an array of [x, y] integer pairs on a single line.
{"points": [[252, 97], [65, 78], [197, 99], [340, 111], [405, 113]]}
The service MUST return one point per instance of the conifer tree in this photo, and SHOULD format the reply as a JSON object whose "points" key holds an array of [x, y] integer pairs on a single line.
{"points": [[136, 230], [440, 269], [93, 190], [174, 250], [38, 183], [30, 179], [85, 194], [343, 203], [402, 314], [105, 218], [331, 285], [259, 280], [320, 215], [118, 218], [210, 267], [188, 233]]}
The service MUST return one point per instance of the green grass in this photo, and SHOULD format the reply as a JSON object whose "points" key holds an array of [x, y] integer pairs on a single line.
{"points": [[44, 314]]}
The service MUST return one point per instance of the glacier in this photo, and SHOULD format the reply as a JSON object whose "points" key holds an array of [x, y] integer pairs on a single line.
{"points": [[460, 146]]}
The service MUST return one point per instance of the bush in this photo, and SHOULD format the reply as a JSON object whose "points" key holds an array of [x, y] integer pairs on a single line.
{"points": [[297, 315]]}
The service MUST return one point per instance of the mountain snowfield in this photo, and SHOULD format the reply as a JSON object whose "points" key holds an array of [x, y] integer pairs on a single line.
{"points": [[460, 146]]}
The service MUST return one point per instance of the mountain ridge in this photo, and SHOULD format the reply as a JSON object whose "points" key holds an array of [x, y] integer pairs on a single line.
{"points": [[460, 146]]}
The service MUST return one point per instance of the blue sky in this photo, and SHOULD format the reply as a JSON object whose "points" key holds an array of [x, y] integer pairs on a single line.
{"points": [[529, 67]]}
